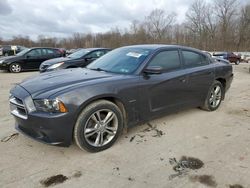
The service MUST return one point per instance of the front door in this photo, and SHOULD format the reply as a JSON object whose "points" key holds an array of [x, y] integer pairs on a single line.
{"points": [[33, 59], [166, 91]]}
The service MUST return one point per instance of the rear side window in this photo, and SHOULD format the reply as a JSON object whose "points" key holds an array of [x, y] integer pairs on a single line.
{"points": [[168, 60], [193, 59], [58, 52], [50, 52]]}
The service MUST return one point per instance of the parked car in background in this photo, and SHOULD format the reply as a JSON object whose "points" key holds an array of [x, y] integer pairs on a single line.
{"points": [[125, 87], [28, 59], [63, 51], [216, 58], [80, 58], [246, 58], [208, 53], [7, 50], [71, 51], [230, 56]]}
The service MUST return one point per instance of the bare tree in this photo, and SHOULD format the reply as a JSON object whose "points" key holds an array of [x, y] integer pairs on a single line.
{"points": [[243, 37], [226, 10], [196, 21], [158, 23]]}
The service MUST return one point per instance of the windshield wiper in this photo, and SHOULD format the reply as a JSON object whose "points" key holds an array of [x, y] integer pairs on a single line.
{"points": [[98, 69]]}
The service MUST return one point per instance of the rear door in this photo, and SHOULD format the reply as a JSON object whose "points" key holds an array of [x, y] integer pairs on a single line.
{"points": [[201, 75], [48, 54]]}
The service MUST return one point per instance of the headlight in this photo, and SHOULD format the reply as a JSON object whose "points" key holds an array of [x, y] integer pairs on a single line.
{"points": [[55, 65], [29, 104], [47, 105], [1, 61]]}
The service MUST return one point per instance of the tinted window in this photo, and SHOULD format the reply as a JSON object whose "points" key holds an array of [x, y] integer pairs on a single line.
{"points": [[96, 54], [50, 52], [168, 60], [192, 59], [79, 53], [35, 53]]}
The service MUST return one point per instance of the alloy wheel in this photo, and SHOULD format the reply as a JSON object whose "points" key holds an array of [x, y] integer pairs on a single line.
{"points": [[101, 127], [15, 68], [215, 97]]}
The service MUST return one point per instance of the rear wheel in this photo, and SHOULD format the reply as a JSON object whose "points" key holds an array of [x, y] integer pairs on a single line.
{"points": [[214, 97], [15, 67], [98, 126]]}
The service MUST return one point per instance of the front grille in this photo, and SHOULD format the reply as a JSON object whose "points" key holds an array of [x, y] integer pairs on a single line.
{"points": [[17, 108]]}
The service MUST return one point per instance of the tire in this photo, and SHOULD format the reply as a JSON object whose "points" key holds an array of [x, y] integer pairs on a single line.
{"points": [[91, 133], [15, 68], [237, 62], [213, 99]]}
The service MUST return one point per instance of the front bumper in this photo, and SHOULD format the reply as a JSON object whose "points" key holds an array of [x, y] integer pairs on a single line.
{"points": [[46, 128], [4, 66], [51, 128]]}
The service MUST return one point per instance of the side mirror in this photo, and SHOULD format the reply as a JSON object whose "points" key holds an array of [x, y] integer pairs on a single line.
{"points": [[88, 58], [153, 70], [27, 56]]}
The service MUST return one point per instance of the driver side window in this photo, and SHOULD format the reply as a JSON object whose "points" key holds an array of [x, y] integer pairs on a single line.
{"points": [[167, 60], [96, 54], [34, 53]]}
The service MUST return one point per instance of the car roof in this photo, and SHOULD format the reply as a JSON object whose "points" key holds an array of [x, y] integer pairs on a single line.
{"points": [[92, 49], [42, 48], [159, 46]]}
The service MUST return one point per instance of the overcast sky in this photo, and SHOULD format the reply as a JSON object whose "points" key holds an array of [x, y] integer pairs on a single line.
{"points": [[61, 18]]}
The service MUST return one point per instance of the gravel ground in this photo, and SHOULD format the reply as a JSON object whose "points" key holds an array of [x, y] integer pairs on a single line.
{"points": [[219, 140]]}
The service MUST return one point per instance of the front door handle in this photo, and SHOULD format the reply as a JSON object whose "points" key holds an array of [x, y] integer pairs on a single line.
{"points": [[183, 80]]}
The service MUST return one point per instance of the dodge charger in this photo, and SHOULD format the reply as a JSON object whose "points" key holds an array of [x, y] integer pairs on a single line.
{"points": [[128, 86]]}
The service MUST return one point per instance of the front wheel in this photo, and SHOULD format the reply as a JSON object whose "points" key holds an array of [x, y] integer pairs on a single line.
{"points": [[15, 67], [237, 62], [98, 126], [214, 97]]}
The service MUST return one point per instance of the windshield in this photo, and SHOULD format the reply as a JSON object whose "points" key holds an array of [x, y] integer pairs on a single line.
{"points": [[79, 53], [23, 52], [122, 60]]}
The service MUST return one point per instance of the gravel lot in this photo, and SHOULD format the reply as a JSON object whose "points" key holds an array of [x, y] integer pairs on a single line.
{"points": [[140, 158]]}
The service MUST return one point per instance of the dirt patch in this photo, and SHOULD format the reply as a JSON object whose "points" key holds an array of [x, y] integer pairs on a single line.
{"points": [[132, 138], [204, 179], [53, 180], [77, 174], [140, 137], [236, 186], [239, 112], [184, 165], [158, 133], [190, 162], [131, 179], [10, 137]]}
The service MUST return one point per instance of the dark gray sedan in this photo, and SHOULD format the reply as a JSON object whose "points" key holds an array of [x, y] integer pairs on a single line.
{"points": [[80, 58], [128, 86]]}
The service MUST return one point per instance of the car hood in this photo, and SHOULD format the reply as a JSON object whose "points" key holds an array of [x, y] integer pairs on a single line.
{"points": [[9, 58], [55, 81], [56, 60]]}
